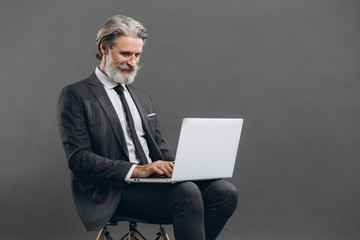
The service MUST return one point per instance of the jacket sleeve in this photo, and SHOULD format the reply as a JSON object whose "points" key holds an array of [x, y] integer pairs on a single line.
{"points": [[82, 160]]}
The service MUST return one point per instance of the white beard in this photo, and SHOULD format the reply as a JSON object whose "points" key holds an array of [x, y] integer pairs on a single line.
{"points": [[115, 74]]}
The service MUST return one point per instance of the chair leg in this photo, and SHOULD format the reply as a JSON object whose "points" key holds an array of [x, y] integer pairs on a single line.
{"points": [[101, 234], [163, 233], [133, 231]]}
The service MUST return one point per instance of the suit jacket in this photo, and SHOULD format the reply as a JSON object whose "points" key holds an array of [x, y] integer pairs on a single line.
{"points": [[95, 146]]}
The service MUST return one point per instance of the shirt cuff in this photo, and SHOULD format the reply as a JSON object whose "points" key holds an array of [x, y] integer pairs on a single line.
{"points": [[128, 175]]}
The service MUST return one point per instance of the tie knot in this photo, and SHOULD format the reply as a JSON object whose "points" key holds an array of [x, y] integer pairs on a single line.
{"points": [[119, 89]]}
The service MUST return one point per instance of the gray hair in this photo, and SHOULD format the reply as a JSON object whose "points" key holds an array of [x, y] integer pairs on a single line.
{"points": [[117, 26]]}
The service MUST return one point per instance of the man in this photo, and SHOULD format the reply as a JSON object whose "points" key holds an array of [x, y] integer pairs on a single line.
{"points": [[110, 132]]}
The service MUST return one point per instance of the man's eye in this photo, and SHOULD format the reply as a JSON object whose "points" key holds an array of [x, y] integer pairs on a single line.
{"points": [[126, 54]]}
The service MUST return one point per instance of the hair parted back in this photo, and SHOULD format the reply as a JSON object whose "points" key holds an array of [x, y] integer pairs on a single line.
{"points": [[117, 26]]}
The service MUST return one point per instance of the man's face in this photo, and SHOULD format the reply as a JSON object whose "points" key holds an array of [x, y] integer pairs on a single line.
{"points": [[122, 60]]}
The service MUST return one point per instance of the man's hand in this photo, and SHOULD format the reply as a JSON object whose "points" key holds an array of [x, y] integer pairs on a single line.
{"points": [[158, 167]]}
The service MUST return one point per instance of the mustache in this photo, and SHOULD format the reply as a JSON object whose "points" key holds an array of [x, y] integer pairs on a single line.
{"points": [[125, 66]]}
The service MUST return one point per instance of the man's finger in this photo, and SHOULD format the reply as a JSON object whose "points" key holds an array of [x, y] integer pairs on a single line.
{"points": [[169, 169], [158, 170]]}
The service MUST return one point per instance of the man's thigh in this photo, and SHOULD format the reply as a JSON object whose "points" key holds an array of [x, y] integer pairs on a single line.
{"points": [[213, 190], [151, 199], [157, 199]]}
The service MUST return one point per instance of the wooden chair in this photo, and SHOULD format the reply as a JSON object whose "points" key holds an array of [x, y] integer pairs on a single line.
{"points": [[133, 233]]}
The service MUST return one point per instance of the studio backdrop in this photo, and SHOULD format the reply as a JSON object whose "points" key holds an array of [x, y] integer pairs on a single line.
{"points": [[289, 68]]}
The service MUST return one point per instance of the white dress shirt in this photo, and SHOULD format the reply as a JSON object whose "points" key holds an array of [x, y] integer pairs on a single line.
{"points": [[120, 111]]}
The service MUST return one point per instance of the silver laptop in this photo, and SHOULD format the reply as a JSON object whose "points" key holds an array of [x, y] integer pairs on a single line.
{"points": [[207, 149]]}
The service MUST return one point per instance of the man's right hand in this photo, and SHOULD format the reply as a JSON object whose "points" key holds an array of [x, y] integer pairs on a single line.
{"points": [[158, 167]]}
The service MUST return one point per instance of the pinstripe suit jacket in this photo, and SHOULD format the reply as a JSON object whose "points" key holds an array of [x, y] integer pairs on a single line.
{"points": [[95, 146]]}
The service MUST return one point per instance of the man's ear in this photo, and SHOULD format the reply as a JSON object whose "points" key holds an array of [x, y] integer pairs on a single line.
{"points": [[104, 47]]}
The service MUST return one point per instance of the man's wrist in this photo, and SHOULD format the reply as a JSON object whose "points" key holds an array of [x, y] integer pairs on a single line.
{"points": [[130, 172], [139, 171]]}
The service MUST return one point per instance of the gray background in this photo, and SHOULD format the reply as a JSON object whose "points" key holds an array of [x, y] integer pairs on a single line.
{"points": [[289, 68]]}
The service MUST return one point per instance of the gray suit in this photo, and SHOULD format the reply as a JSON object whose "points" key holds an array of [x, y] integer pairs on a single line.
{"points": [[96, 149]]}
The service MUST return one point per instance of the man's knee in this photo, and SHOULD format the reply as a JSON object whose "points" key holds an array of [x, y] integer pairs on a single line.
{"points": [[231, 195], [187, 194], [223, 194]]}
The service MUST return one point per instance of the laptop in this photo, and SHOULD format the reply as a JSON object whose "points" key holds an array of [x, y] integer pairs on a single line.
{"points": [[207, 149]]}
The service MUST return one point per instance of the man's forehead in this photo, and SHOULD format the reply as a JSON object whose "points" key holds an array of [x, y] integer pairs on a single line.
{"points": [[129, 43]]}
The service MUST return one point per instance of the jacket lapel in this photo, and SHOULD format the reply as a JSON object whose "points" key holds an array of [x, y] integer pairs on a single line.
{"points": [[98, 90], [153, 147], [140, 108]]}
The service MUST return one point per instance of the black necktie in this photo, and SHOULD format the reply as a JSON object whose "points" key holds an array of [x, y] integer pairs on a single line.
{"points": [[139, 150]]}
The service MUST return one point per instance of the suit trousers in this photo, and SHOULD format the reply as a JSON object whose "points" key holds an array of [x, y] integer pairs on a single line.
{"points": [[199, 209]]}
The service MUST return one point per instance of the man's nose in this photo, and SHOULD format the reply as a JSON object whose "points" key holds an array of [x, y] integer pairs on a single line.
{"points": [[132, 62]]}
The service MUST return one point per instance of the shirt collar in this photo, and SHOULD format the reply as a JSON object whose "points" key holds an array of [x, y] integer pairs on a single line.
{"points": [[104, 79]]}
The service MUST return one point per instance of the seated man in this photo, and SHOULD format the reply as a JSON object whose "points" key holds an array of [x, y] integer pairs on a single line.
{"points": [[110, 132]]}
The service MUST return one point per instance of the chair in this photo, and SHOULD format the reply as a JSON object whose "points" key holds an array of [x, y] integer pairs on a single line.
{"points": [[133, 233]]}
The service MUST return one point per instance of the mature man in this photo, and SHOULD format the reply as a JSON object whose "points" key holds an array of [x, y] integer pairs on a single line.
{"points": [[110, 132]]}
